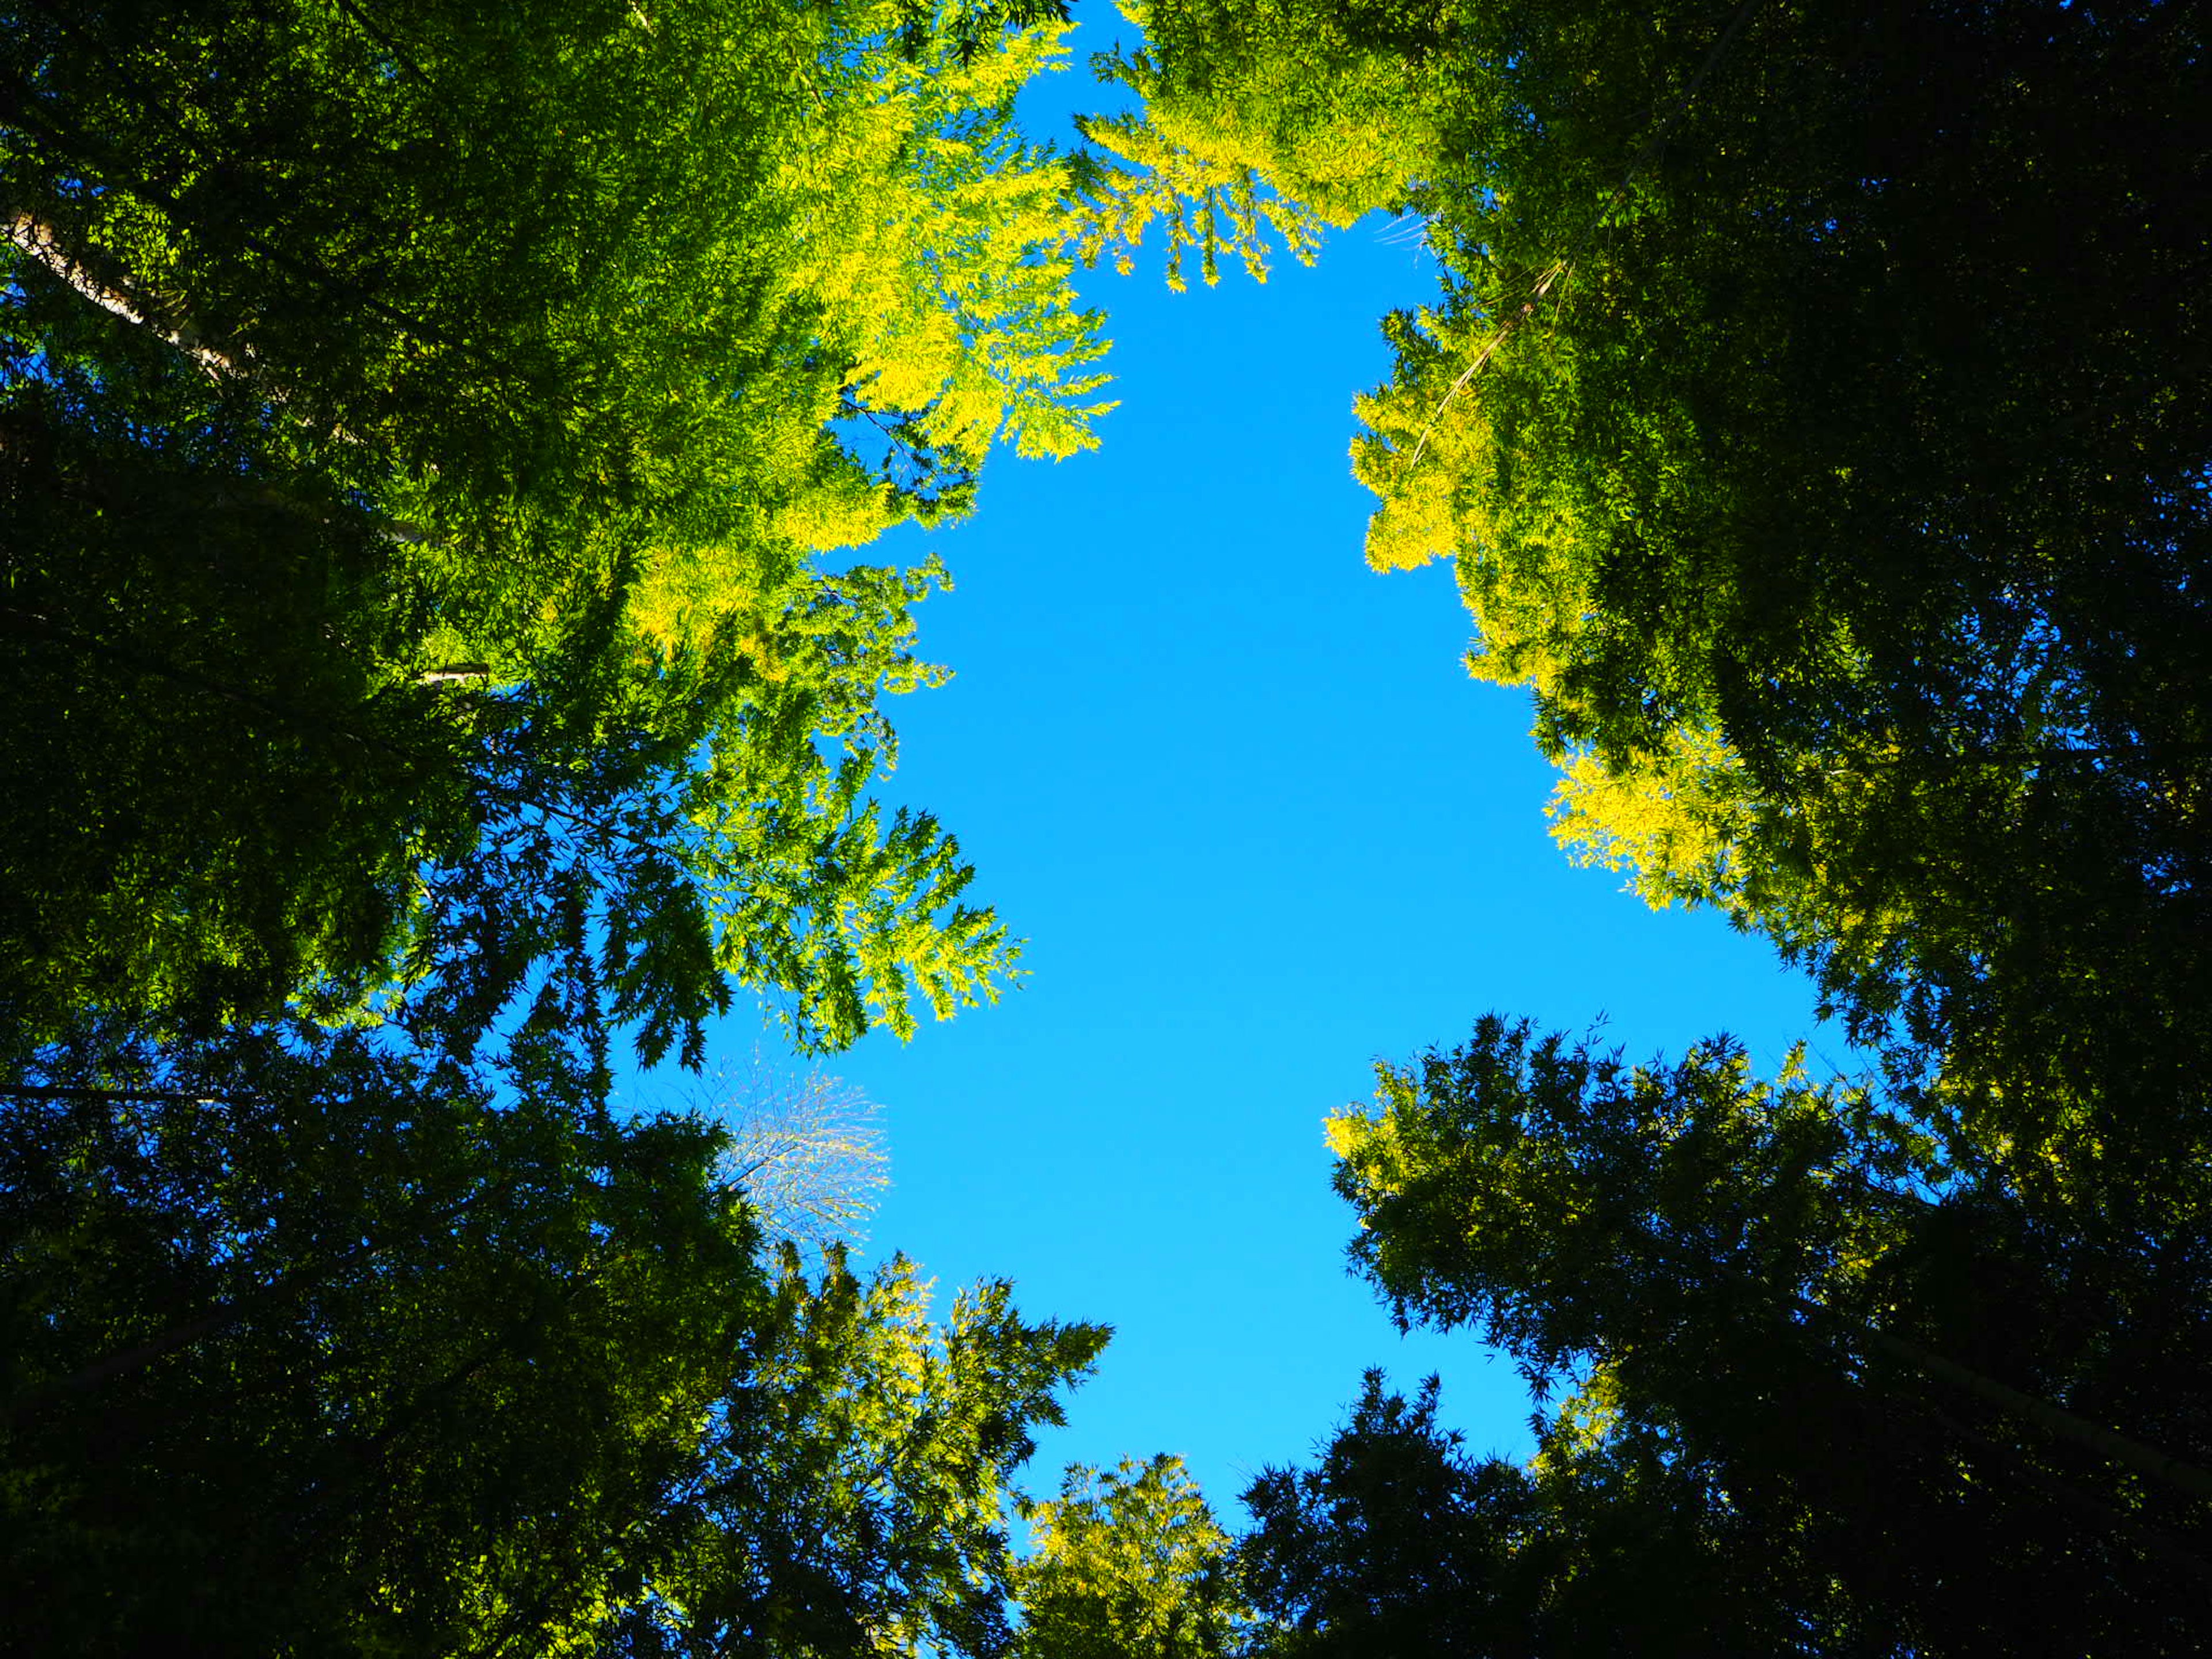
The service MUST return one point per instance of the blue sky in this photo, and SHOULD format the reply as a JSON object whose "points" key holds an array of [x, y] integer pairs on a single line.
{"points": [[1258, 829]]}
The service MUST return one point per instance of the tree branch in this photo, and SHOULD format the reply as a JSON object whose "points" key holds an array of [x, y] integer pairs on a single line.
{"points": [[44, 245]]}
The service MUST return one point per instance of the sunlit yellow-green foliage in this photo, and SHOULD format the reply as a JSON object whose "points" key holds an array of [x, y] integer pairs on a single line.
{"points": [[1276, 117], [1453, 485], [917, 236], [944, 243], [1199, 203], [1255, 118], [1663, 819], [600, 333], [1335, 108], [1447, 452], [1127, 1564], [900, 244], [1580, 1424]]}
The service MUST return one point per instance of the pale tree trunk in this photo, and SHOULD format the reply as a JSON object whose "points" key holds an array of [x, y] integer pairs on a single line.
{"points": [[43, 244]]}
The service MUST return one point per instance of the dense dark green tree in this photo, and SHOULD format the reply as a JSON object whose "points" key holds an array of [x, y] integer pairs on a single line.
{"points": [[313, 1345], [422, 431], [216, 784], [1396, 1541], [316, 1345], [1814, 411], [1960, 1412]]}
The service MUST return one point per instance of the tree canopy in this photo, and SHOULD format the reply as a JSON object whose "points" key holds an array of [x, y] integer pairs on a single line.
{"points": [[317, 1345], [1813, 413], [1128, 1561], [433, 443], [501, 382], [1846, 610]]}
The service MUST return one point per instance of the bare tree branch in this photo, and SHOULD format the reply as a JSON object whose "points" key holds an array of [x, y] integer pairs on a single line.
{"points": [[806, 1150]]}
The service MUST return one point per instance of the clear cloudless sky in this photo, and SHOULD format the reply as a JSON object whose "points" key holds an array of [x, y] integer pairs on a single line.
{"points": [[1258, 829]]}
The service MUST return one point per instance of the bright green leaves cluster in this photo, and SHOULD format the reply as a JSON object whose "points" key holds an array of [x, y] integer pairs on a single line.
{"points": [[865, 919], [1334, 106], [1212, 207], [978, 335], [581, 334], [853, 1494], [1128, 1564], [1253, 119], [1281, 117]]}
